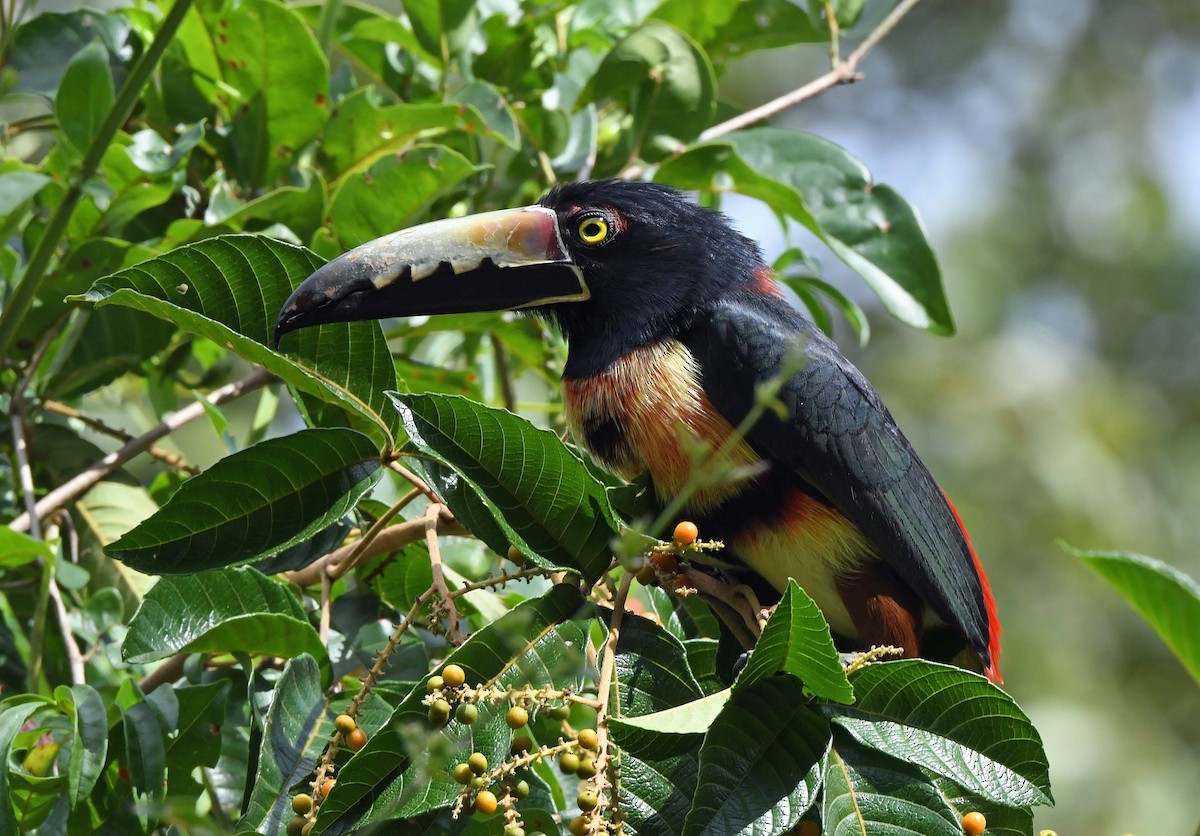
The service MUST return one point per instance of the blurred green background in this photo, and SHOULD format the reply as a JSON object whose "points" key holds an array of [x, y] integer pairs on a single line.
{"points": [[1053, 149]]}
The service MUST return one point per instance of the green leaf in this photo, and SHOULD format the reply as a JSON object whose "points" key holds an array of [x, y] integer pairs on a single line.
{"points": [[820, 185], [17, 549], [404, 769], [276, 82], [493, 106], [666, 82], [361, 131], [145, 749], [394, 193], [656, 795], [85, 95], [870, 793], [89, 748], [691, 718], [14, 711], [952, 723], [198, 741], [255, 503], [541, 497], [796, 640], [1168, 599], [16, 187], [230, 289], [225, 611], [758, 764], [292, 740], [111, 343]]}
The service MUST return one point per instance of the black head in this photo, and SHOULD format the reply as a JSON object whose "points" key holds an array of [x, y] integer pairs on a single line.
{"points": [[654, 262]]}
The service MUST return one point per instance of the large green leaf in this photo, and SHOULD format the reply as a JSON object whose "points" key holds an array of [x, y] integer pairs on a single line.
{"points": [[538, 494], [224, 611], [14, 711], [276, 81], [796, 640], [869, 793], [85, 96], [230, 289], [394, 192], [89, 746], [952, 723], [110, 343], [17, 549], [759, 763], [1168, 599], [396, 776], [820, 185], [255, 503]]}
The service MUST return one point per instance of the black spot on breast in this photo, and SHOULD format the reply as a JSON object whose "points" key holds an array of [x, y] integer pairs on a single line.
{"points": [[606, 439]]}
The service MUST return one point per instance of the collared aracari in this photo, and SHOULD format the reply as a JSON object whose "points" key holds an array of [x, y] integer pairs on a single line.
{"points": [[672, 320]]}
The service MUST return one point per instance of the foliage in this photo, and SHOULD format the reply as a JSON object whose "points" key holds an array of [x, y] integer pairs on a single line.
{"points": [[169, 180]]}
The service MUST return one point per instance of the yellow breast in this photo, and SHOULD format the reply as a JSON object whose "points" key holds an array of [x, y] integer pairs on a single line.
{"points": [[654, 399]]}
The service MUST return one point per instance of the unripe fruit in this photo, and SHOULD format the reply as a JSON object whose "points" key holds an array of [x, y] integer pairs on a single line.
{"points": [[588, 739], [485, 802], [685, 533], [308, 826], [515, 555], [521, 790], [439, 712], [466, 713], [681, 581], [578, 826], [558, 712], [356, 740], [478, 763], [296, 825], [345, 723], [587, 801], [453, 676], [463, 773], [974, 823], [666, 562], [587, 768], [516, 717], [514, 830], [568, 762], [520, 745], [477, 783], [646, 575], [435, 683], [302, 804]]}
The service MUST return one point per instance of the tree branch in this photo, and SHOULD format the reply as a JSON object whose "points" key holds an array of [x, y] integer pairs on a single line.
{"points": [[76, 487]]}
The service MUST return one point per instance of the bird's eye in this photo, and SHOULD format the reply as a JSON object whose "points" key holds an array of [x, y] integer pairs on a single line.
{"points": [[593, 229]]}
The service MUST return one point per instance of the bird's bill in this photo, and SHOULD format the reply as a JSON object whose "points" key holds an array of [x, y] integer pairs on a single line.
{"points": [[512, 258]]}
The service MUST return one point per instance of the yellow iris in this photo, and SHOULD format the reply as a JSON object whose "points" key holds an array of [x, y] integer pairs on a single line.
{"points": [[592, 230]]}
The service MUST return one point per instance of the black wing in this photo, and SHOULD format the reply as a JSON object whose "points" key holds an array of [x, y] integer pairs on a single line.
{"points": [[840, 439]]}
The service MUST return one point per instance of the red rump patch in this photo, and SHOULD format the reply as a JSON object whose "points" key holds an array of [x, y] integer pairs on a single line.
{"points": [[992, 670]]}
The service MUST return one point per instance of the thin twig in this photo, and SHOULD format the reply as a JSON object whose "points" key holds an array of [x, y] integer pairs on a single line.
{"points": [[336, 570], [326, 606], [844, 72], [415, 480], [168, 671], [503, 374], [76, 487], [432, 515], [165, 456], [608, 664]]}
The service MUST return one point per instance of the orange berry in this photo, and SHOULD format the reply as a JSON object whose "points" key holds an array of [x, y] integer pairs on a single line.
{"points": [[326, 788], [666, 562], [485, 802], [686, 533], [356, 740], [974, 823]]}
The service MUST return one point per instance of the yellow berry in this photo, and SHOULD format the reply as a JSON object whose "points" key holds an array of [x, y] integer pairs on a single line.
{"points": [[974, 823], [454, 676], [485, 802], [568, 762], [516, 717], [587, 800], [302, 804], [463, 773], [435, 683], [515, 555], [578, 826], [587, 768], [686, 533], [588, 739], [345, 723]]}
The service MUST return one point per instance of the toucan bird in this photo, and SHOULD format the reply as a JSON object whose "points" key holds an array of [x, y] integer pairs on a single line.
{"points": [[672, 320]]}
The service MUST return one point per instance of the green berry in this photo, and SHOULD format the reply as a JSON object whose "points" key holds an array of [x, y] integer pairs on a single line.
{"points": [[521, 790], [478, 763], [435, 683], [302, 804], [568, 762], [466, 713], [587, 768], [516, 717], [587, 801], [514, 830], [578, 826], [588, 739], [558, 712], [439, 712], [463, 773], [296, 825], [477, 783], [520, 745]]}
